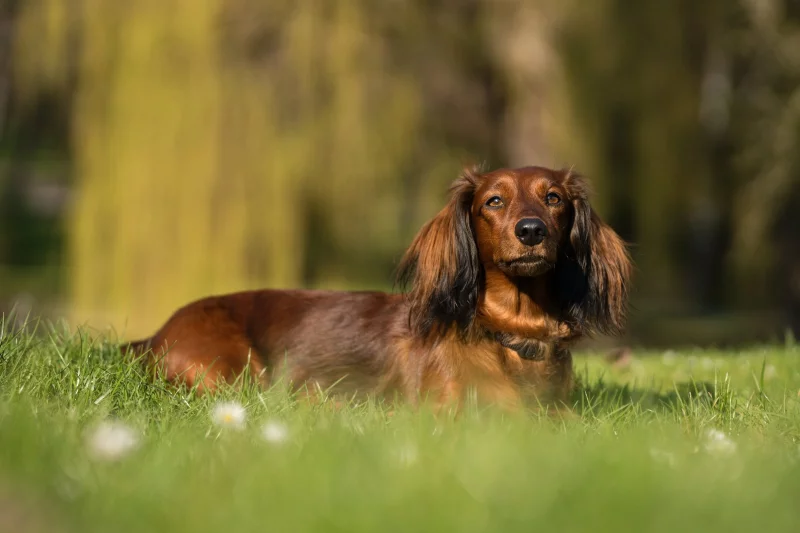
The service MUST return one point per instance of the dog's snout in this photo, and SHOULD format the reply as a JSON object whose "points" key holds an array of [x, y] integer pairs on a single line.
{"points": [[530, 231]]}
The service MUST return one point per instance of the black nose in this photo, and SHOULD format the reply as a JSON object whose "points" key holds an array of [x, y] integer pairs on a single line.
{"points": [[530, 231]]}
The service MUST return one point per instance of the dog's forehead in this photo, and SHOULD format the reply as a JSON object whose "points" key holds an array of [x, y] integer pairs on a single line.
{"points": [[521, 176]]}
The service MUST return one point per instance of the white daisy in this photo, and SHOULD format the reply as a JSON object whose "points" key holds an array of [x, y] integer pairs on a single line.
{"points": [[669, 357], [275, 432], [355, 427], [661, 456], [111, 440], [719, 443], [229, 415], [770, 372], [407, 455]]}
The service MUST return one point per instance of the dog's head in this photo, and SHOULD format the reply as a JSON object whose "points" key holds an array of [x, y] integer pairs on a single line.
{"points": [[525, 223]]}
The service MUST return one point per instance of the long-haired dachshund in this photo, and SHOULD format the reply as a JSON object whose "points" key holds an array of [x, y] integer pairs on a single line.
{"points": [[514, 269]]}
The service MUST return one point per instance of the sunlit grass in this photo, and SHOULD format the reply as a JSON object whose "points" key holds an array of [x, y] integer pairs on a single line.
{"points": [[699, 441]]}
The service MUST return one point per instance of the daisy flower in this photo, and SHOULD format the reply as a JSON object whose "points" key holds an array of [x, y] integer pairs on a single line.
{"points": [[662, 456], [407, 455], [111, 440], [719, 443], [275, 432], [228, 415]]}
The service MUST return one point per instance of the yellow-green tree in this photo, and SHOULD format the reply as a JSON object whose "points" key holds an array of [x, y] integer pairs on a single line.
{"points": [[228, 144], [206, 133]]}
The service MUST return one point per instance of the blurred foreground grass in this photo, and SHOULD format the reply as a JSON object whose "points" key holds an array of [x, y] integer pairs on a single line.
{"points": [[698, 441]]}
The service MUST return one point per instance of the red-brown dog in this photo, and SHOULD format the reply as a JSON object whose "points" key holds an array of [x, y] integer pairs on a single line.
{"points": [[515, 268]]}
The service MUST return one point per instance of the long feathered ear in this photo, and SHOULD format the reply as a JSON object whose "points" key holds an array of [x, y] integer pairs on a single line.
{"points": [[442, 267], [597, 282]]}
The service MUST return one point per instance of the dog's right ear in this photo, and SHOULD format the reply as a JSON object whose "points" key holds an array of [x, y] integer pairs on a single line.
{"points": [[442, 267]]}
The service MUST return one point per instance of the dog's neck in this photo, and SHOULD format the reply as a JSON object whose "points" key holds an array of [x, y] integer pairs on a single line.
{"points": [[518, 306], [521, 313]]}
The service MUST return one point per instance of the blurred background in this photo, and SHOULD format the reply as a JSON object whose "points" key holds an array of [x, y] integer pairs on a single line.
{"points": [[155, 151]]}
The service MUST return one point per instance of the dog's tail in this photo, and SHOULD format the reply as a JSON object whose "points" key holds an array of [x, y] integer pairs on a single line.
{"points": [[141, 352], [135, 348]]}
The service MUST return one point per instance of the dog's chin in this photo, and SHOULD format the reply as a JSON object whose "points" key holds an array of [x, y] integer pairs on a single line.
{"points": [[525, 267]]}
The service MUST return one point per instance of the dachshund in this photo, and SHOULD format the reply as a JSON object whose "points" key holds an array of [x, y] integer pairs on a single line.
{"points": [[501, 283]]}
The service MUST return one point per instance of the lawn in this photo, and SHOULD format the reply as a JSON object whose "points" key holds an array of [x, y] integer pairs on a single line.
{"points": [[691, 441]]}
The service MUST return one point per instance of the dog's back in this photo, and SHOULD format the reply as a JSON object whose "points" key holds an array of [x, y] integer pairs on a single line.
{"points": [[324, 338]]}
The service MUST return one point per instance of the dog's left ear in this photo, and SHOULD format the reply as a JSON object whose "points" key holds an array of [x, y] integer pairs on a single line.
{"points": [[598, 281], [442, 266]]}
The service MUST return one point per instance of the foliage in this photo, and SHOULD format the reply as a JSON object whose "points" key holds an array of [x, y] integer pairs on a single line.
{"points": [[241, 143]]}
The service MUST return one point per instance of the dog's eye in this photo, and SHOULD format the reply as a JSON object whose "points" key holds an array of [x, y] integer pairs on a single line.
{"points": [[552, 198], [495, 201]]}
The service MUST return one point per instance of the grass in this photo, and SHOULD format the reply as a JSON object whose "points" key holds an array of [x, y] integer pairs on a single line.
{"points": [[636, 457]]}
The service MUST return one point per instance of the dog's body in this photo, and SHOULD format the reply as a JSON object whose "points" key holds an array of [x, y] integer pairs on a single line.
{"points": [[353, 342], [503, 280]]}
